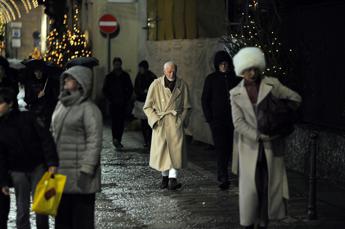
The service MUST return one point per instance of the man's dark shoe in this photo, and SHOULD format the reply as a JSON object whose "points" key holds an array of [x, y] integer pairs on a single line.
{"points": [[164, 183], [249, 227], [173, 185], [117, 144], [224, 186]]}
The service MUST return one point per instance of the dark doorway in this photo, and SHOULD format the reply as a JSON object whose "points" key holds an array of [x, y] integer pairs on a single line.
{"points": [[316, 33]]}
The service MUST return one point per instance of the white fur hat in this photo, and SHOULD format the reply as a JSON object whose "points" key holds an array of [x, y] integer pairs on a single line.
{"points": [[247, 58]]}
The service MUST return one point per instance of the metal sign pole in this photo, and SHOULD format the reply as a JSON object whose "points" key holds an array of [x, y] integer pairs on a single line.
{"points": [[109, 52], [108, 25]]}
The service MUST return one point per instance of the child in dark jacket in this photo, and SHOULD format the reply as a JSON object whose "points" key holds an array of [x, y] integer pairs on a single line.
{"points": [[27, 150]]}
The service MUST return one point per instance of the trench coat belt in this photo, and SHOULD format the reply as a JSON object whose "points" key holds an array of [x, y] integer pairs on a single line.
{"points": [[162, 114]]}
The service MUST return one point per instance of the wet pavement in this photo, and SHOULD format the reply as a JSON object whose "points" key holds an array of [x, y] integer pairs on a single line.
{"points": [[130, 196]]}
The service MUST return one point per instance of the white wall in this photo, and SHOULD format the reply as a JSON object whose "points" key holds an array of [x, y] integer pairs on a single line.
{"points": [[194, 58], [125, 45], [30, 22]]}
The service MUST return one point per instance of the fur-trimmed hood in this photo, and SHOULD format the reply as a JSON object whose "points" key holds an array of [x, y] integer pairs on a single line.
{"points": [[249, 57]]}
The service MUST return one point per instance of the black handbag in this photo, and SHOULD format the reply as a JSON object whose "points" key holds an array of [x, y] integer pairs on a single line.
{"points": [[275, 116]]}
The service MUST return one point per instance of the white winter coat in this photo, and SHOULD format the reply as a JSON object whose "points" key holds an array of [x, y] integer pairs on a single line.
{"points": [[246, 148]]}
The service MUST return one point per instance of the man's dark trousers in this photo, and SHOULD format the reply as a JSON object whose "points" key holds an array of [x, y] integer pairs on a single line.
{"points": [[222, 134], [147, 131], [4, 210], [118, 116]]}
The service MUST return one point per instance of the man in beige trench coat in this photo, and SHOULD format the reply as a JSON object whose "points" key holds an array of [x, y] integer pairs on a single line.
{"points": [[167, 107]]}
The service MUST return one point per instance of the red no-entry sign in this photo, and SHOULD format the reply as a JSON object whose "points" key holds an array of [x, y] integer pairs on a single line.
{"points": [[108, 24]]}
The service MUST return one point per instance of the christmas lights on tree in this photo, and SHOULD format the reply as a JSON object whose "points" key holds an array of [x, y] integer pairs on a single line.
{"points": [[67, 43], [78, 46], [256, 31]]}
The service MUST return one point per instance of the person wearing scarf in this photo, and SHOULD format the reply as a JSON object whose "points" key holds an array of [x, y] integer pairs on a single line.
{"points": [[77, 129]]}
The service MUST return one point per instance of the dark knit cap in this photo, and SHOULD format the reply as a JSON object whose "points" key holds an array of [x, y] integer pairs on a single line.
{"points": [[144, 64], [222, 56], [117, 59]]}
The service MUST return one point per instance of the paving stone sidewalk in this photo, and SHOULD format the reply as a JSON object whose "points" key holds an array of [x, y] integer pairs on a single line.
{"points": [[130, 196]]}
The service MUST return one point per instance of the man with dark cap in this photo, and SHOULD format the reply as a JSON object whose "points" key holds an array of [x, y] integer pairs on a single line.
{"points": [[141, 86], [118, 89], [217, 110]]}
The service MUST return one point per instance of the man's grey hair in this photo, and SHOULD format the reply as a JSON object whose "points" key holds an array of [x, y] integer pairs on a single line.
{"points": [[170, 63]]}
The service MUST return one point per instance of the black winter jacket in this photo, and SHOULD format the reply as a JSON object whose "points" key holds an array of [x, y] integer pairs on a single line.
{"points": [[215, 98], [24, 144], [9, 81], [118, 89], [142, 84], [45, 105]]}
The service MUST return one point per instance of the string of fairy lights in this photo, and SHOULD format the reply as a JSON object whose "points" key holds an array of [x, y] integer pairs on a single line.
{"points": [[67, 45], [253, 32], [10, 9], [2, 34], [70, 44]]}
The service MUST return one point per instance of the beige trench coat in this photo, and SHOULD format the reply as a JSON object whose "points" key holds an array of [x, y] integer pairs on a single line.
{"points": [[167, 114], [246, 148]]}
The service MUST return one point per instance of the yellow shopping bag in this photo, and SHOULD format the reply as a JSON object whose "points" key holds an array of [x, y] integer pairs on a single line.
{"points": [[48, 194]]}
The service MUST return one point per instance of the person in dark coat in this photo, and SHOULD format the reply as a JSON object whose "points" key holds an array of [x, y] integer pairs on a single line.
{"points": [[217, 110], [41, 94], [27, 150], [118, 89], [141, 86], [7, 75], [5, 82], [4, 209]]}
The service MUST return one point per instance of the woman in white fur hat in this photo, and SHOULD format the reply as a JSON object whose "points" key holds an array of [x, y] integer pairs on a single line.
{"points": [[263, 183]]}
